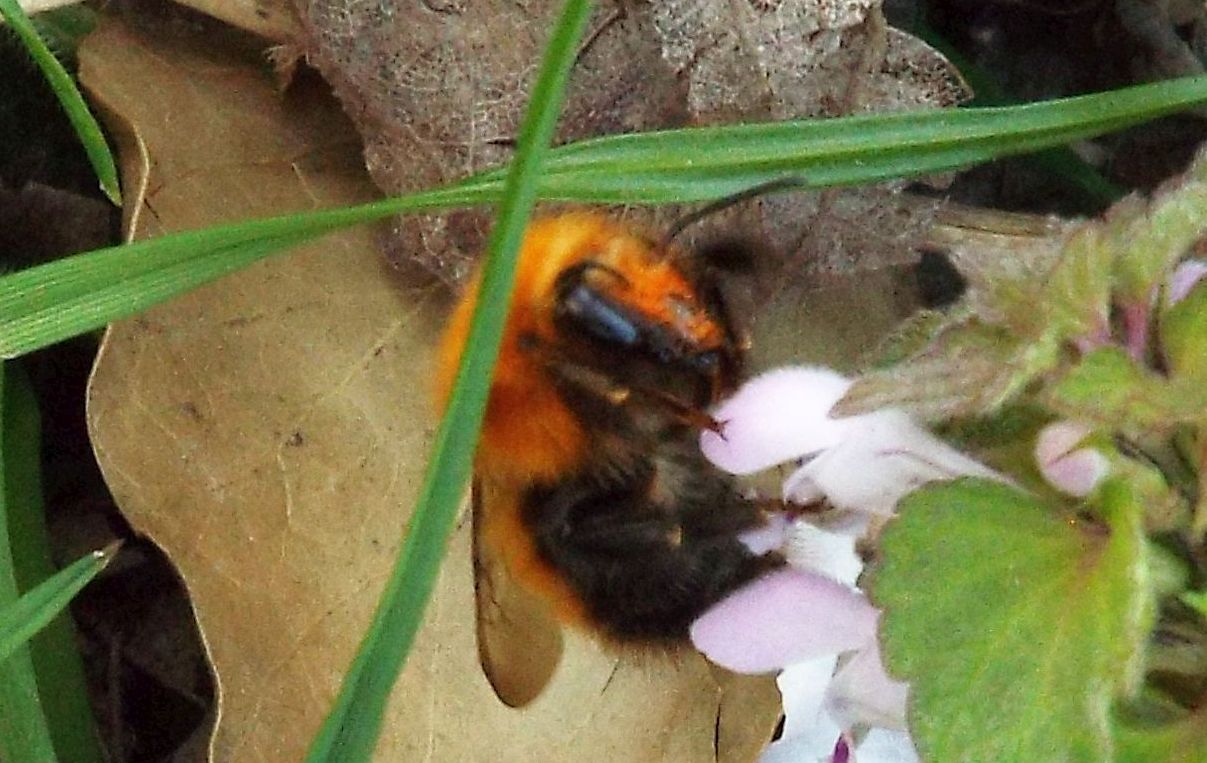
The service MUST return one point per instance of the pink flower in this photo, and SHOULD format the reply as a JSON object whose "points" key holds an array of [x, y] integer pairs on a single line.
{"points": [[1064, 464], [811, 622], [1185, 277], [862, 463]]}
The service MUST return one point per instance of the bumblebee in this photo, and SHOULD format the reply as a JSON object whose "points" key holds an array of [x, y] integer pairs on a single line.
{"points": [[590, 489]]}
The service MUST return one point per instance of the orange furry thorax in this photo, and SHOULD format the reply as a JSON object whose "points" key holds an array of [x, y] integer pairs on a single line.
{"points": [[529, 433]]}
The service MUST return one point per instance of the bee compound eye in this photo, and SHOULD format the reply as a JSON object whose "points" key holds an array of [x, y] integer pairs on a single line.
{"points": [[599, 317]]}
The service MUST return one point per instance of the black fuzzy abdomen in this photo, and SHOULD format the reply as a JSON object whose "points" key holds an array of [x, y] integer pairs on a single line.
{"points": [[649, 550]]}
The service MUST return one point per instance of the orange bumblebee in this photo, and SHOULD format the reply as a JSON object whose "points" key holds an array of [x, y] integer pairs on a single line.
{"points": [[590, 488]]}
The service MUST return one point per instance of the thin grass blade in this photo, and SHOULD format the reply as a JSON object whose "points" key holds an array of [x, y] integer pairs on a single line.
{"points": [[69, 96], [54, 651], [674, 166], [20, 620], [119, 285], [351, 729], [24, 732]]}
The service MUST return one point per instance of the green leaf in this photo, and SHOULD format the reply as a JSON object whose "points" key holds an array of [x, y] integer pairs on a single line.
{"points": [[1197, 600], [1184, 335], [1181, 741], [969, 369], [20, 620], [1017, 626], [52, 302], [61, 83], [909, 338], [1157, 240], [719, 161], [350, 731], [1077, 291], [1108, 387]]}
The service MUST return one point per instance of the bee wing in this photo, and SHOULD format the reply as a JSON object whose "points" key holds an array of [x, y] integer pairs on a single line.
{"points": [[519, 642]]}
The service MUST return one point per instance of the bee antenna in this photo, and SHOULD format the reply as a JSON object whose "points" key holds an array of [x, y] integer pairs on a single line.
{"points": [[771, 186]]}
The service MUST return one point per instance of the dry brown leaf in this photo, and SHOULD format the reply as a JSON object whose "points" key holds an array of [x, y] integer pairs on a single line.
{"points": [[440, 96], [269, 431], [275, 20]]}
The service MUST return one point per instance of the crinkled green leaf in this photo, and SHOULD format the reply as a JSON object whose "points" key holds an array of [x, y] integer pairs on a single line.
{"points": [[1016, 624], [1197, 600], [970, 369], [909, 338], [1156, 241], [1108, 387], [1184, 335], [1077, 291], [1002, 257]]}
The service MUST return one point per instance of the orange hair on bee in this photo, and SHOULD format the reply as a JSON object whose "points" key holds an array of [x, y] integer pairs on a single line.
{"points": [[530, 434]]}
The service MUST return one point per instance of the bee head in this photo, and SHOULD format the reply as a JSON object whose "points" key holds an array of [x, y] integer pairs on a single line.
{"points": [[642, 322]]}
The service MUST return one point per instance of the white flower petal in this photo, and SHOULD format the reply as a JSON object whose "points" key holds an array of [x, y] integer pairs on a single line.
{"points": [[885, 746], [815, 747], [863, 694], [827, 553], [803, 690], [777, 417], [1058, 439], [1078, 473], [887, 457]]}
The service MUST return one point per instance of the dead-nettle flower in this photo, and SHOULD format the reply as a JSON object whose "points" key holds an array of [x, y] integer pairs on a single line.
{"points": [[1065, 463], [810, 621], [1138, 316]]}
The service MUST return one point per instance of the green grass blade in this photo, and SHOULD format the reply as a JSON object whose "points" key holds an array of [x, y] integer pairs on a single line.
{"points": [[58, 667], [62, 29], [118, 285], [52, 302], [350, 731], [706, 163], [24, 733], [20, 620], [55, 301], [69, 96], [1061, 163]]}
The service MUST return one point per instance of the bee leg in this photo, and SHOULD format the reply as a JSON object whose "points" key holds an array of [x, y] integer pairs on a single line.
{"points": [[589, 380], [576, 374], [600, 385]]}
